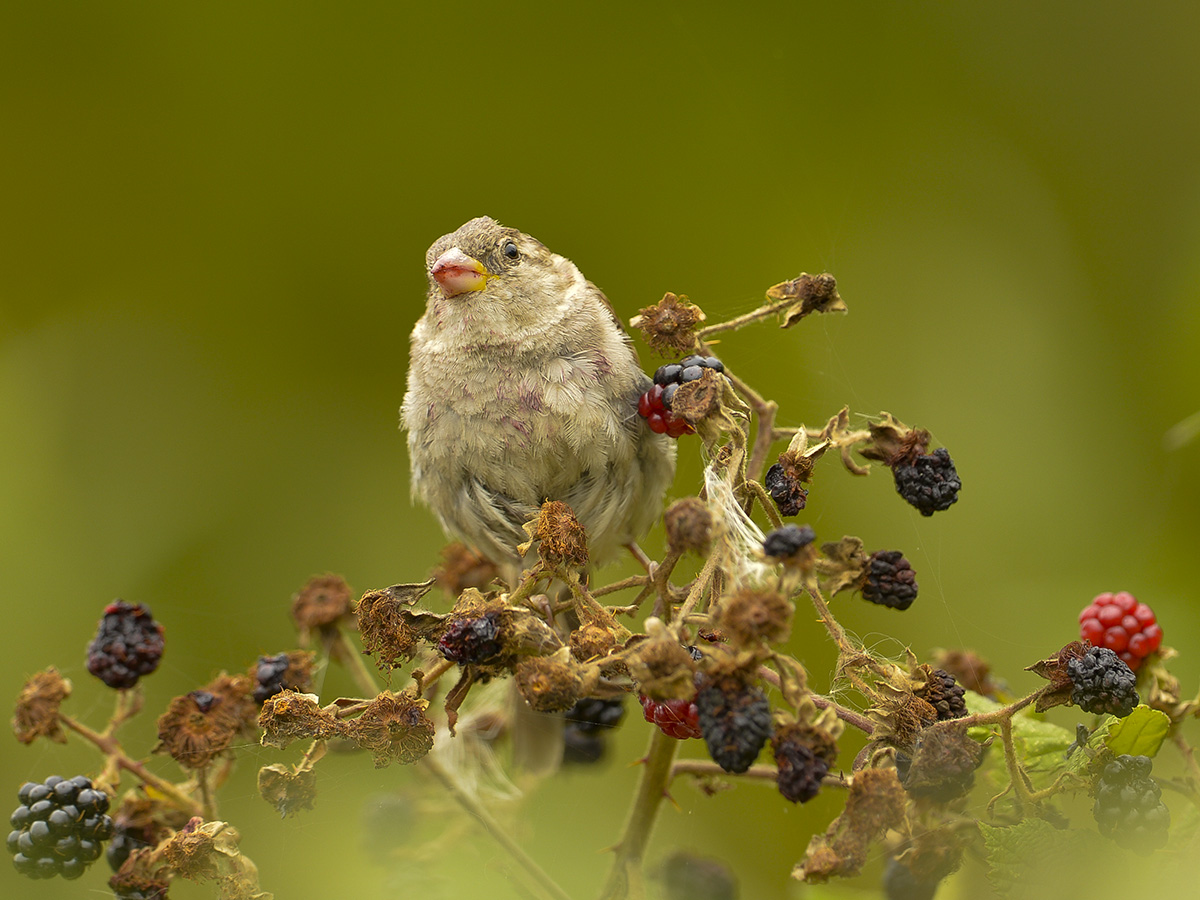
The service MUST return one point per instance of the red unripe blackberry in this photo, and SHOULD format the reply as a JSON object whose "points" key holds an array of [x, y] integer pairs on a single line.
{"points": [[653, 408], [128, 644], [1123, 625], [676, 718]]}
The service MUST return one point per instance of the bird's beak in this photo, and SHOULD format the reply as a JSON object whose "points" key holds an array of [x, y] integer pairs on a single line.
{"points": [[456, 273]]}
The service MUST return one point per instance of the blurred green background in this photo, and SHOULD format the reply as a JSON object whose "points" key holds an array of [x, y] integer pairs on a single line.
{"points": [[213, 234]]}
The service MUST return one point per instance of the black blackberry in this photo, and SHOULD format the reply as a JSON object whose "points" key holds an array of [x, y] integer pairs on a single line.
{"points": [[269, 674], [899, 883], [786, 490], [587, 722], [891, 581], [60, 827], [1103, 683], [801, 771], [128, 644], [472, 641], [688, 877], [929, 482], [670, 376], [1128, 808], [788, 540], [125, 841], [735, 722], [945, 695]]}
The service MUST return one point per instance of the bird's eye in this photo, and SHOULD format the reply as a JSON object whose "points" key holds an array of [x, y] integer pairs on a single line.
{"points": [[510, 250]]}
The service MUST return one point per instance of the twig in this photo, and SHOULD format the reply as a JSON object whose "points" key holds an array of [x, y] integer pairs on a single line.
{"points": [[339, 648], [755, 315], [623, 584], [624, 879]]}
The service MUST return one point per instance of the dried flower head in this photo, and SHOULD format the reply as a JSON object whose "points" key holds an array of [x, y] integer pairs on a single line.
{"points": [[287, 788], [322, 601], [751, 616], [943, 764], [689, 526], [197, 727], [591, 642], [207, 850], [562, 541], [463, 568], [383, 624], [662, 667], [697, 400], [289, 716], [811, 293], [394, 728], [969, 669], [37, 707], [669, 327], [135, 884], [550, 683]]}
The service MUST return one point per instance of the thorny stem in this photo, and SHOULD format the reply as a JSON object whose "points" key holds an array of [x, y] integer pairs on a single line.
{"points": [[849, 716], [631, 581], [116, 754], [625, 877], [759, 772], [1189, 757], [764, 499], [703, 581], [844, 645], [471, 804], [1016, 774], [1001, 715], [588, 609]]}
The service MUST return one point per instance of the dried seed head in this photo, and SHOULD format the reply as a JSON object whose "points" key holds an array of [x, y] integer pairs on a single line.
{"points": [[699, 399], [669, 327], [549, 683], [394, 728], [383, 623], [562, 541], [689, 526], [289, 717], [287, 789], [197, 727], [663, 668], [943, 764], [591, 642], [811, 293], [751, 616], [37, 707], [322, 601]]}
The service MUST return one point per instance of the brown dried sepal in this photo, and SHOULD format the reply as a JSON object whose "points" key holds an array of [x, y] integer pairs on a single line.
{"points": [[385, 630], [207, 850], [323, 600], [669, 327], [287, 788], [591, 642], [662, 667], [237, 693], [462, 568], [201, 725], [394, 728], [875, 803], [697, 400], [289, 716], [900, 716], [812, 293], [551, 683], [1054, 669], [894, 443], [689, 526], [562, 541], [135, 884], [934, 854], [969, 669], [843, 565], [36, 714], [751, 616]]}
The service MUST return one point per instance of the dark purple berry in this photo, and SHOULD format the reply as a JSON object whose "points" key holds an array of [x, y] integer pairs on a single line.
{"points": [[472, 641], [890, 580], [929, 482], [1103, 683], [128, 644]]}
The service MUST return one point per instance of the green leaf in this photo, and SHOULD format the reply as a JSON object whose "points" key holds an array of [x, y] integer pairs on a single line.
{"points": [[1140, 733], [1040, 745], [1011, 849]]}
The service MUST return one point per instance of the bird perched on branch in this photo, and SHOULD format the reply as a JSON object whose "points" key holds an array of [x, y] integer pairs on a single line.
{"points": [[522, 388]]}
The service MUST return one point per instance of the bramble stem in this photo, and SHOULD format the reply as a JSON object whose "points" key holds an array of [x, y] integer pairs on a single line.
{"points": [[339, 648], [845, 647], [847, 715], [708, 767], [471, 804], [625, 877], [755, 315], [115, 753], [631, 581], [703, 580]]}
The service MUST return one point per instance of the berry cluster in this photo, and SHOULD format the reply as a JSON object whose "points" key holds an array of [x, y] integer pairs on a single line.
{"points": [[1128, 808], [128, 644], [655, 405], [472, 641], [60, 827], [928, 481], [800, 769], [735, 721], [676, 718], [269, 674], [1103, 683], [890, 580], [587, 722], [786, 490], [945, 695], [1123, 625]]}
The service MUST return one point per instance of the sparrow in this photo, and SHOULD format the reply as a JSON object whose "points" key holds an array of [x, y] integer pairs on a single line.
{"points": [[522, 388]]}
